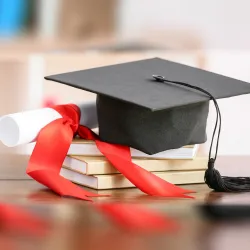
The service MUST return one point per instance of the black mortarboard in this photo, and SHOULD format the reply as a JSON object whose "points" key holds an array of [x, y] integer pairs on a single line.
{"points": [[152, 113], [151, 116]]}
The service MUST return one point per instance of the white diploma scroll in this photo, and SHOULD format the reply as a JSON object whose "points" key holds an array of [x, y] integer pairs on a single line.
{"points": [[24, 127]]}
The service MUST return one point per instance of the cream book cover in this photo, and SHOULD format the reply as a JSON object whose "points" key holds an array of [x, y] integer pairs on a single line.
{"points": [[99, 165], [113, 181], [88, 148]]}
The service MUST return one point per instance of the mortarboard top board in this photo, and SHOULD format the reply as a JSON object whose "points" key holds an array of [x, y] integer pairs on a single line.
{"points": [[152, 116]]}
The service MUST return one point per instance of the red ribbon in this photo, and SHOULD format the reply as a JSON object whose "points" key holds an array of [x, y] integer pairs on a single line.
{"points": [[53, 143]]}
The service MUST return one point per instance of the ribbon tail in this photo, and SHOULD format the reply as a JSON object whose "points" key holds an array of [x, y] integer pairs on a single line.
{"points": [[60, 185], [147, 182], [120, 157], [47, 158]]}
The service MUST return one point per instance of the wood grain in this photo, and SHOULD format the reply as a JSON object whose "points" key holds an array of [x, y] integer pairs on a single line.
{"points": [[75, 224]]}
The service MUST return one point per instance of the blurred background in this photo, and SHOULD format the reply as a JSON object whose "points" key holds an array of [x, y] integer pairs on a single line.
{"points": [[43, 37]]}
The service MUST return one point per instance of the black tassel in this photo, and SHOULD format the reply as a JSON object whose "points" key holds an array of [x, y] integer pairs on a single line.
{"points": [[212, 176], [223, 183]]}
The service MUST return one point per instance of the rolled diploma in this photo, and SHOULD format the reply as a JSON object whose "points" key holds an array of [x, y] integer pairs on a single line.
{"points": [[24, 127]]}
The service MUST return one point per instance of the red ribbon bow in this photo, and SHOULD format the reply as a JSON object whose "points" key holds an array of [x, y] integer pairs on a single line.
{"points": [[53, 143]]}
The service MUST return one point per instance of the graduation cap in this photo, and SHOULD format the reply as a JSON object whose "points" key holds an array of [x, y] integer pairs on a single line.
{"points": [[154, 105]]}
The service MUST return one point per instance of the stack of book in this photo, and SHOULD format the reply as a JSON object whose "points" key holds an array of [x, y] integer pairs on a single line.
{"points": [[86, 166]]}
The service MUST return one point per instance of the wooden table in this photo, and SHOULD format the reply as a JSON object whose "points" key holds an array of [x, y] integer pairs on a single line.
{"points": [[76, 224]]}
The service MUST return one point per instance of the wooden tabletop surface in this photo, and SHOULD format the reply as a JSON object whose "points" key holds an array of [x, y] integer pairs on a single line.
{"points": [[76, 224]]}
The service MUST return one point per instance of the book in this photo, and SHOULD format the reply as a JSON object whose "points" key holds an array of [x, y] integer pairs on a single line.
{"points": [[88, 148], [99, 165], [113, 181]]}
